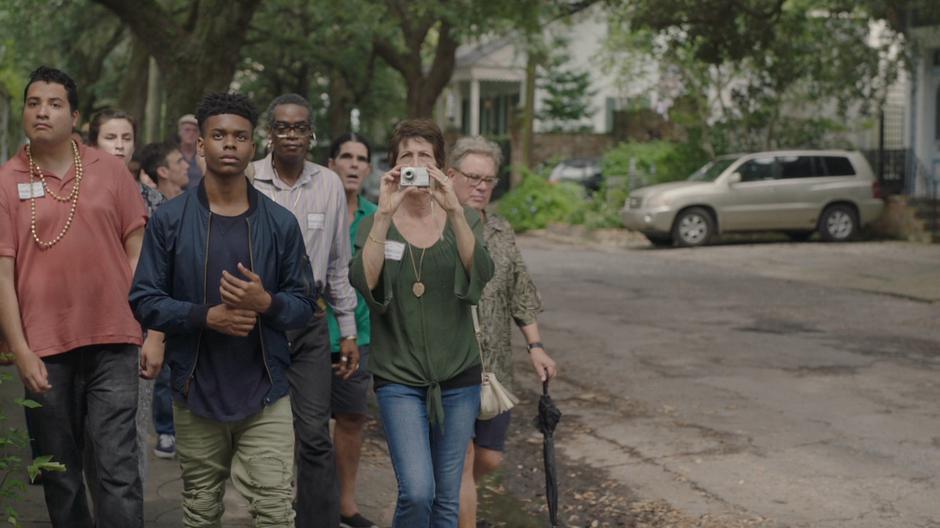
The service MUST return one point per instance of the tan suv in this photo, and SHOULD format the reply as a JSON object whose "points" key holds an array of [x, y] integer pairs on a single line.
{"points": [[797, 192]]}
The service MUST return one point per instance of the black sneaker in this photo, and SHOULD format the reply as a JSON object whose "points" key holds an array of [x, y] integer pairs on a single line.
{"points": [[356, 521]]}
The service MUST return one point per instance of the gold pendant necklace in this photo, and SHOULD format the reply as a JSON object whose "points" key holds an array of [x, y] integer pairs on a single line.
{"points": [[418, 287], [34, 169]]}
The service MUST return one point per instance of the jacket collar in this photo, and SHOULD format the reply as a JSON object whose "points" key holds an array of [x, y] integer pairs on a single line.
{"points": [[204, 198], [492, 221]]}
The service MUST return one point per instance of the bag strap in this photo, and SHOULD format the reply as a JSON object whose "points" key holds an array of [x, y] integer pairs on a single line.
{"points": [[479, 336]]}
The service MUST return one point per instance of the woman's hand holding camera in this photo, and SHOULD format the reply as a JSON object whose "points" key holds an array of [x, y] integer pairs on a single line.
{"points": [[391, 194], [443, 192]]}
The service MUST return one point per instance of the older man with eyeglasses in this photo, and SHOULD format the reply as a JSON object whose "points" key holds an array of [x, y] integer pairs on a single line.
{"points": [[509, 296], [317, 198]]}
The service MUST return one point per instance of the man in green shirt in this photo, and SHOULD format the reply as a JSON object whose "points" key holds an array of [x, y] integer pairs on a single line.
{"points": [[350, 156]]}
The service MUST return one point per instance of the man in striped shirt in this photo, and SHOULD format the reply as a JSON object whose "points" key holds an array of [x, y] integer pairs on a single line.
{"points": [[316, 197]]}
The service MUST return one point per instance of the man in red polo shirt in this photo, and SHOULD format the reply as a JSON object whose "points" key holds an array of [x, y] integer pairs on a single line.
{"points": [[71, 226]]}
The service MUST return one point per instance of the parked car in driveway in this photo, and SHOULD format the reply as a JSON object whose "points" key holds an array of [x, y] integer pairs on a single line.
{"points": [[583, 171], [798, 192]]}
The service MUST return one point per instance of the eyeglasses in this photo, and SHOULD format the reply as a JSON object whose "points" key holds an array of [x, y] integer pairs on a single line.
{"points": [[475, 179], [282, 130]]}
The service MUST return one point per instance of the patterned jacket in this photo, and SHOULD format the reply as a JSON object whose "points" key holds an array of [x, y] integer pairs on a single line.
{"points": [[510, 295]]}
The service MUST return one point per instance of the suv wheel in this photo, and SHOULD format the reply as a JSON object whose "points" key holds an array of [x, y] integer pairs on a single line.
{"points": [[693, 227], [838, 223]]}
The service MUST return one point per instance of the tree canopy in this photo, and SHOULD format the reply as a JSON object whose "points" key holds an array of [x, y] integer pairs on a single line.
{"points": [[764, 73], [738, 73]]}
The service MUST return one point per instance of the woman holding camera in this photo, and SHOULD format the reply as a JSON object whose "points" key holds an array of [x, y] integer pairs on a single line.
{"points": [[420, 263]]}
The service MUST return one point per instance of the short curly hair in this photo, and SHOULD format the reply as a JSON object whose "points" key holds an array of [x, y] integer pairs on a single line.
{"points": [[288, 99], [52, 75], [214, 104]]}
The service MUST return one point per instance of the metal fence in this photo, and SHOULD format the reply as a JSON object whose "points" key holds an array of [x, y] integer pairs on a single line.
{"points": [[892, 169], [900, 172]]}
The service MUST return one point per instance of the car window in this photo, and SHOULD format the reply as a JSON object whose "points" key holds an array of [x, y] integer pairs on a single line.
{"points": [[837, 166], [712, 170], [758, 169], [798, 167]]}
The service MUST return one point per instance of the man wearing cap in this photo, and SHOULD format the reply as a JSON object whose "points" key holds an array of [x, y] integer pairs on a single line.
{"points": [[187, 128]]}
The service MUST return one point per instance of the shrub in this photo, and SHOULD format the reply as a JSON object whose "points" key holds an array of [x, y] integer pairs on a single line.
{"points": [[12, 466], [535, 203], [656, 161], [602, 210]]}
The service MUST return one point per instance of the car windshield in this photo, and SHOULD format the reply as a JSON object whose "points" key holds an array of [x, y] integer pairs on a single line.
{"points": [[711, 170]]}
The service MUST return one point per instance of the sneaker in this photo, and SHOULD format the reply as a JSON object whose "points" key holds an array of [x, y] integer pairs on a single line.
{"points": [[356, 521], [166, 446]]}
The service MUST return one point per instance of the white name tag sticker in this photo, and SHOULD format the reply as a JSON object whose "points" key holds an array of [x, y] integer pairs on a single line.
{"points": [[38, 191], [315, 220], [394, 250]]}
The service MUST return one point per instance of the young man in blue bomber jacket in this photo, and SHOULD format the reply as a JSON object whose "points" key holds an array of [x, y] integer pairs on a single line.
{"points": [[223, 273]]}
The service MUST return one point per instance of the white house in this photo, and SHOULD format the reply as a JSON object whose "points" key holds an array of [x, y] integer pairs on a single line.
{"points": [[489, 79], [922, 116]]}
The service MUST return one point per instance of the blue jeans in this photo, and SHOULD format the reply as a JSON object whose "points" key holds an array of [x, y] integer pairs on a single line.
{"points": [[428, 460], [163, 403]]}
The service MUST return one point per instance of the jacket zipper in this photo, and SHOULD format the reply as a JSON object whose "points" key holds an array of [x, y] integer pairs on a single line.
{"points": [[264, 353], [205, 300]]}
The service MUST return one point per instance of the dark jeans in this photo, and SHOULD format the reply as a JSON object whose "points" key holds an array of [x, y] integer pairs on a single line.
{"points": [[163, 403], [310, 376], [94, 392]]}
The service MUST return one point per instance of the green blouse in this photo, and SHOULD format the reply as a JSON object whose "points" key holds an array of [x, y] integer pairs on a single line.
{"points": [[424, 341]]}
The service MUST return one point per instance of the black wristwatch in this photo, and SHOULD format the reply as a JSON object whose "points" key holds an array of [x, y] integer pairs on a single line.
{"points": [[537, 344]]}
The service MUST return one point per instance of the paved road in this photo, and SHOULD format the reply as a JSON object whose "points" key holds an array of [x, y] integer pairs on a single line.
{"points": [[770, 384], [783, 384]]}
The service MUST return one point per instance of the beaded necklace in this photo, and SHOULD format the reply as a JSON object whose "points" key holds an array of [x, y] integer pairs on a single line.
{"points": [[35, 170]]}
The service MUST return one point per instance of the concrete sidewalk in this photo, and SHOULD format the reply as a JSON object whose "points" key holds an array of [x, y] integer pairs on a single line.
{"points": [[163, 487]]}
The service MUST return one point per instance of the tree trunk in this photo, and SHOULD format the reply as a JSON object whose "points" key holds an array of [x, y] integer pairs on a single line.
{"points": [[153, 117], [203, 77], [4, 124], [133, 97], [417, 102], [423, 89], [195, 58], [528, 112], [341, 105]]}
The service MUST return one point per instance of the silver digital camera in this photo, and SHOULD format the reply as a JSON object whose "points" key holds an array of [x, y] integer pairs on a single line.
{"points": [[415, 177]]}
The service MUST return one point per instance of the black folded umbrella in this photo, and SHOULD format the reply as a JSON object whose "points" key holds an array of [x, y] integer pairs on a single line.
{"points": [[546, 421]]}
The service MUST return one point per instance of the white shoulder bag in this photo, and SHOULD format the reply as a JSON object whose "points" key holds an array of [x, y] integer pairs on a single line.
{"points": [[494, 398]]}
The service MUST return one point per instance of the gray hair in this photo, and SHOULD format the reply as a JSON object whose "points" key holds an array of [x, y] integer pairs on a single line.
{"points": [[286, 99], [475, 145]]}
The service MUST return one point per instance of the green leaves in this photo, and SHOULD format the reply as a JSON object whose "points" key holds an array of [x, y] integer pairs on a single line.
{"points": [[536, 203], [568, 93], [29, 404], [12, 442], [43, 463], [759, 74]]}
